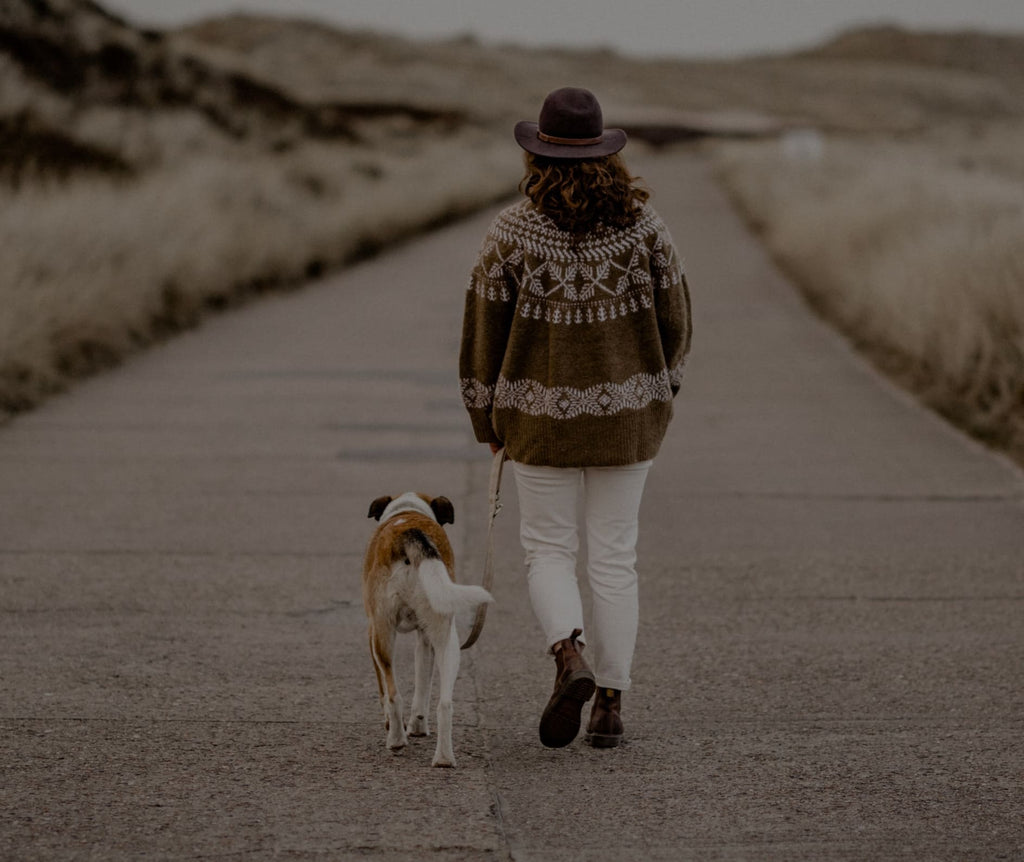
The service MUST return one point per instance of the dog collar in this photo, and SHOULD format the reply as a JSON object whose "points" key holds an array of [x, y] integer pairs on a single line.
{"points": [[407, 503]]}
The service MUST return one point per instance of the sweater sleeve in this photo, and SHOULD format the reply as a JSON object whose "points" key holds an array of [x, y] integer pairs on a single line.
{"points": [[486, 324], [672, 304]]}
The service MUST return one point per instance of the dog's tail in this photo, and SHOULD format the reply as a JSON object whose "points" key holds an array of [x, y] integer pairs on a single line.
{"points": [[443, 594]]}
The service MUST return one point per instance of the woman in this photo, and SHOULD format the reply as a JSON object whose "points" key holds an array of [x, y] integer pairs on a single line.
{"points": [[576, 327]]}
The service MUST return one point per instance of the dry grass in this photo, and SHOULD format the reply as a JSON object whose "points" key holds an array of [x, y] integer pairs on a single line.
{"points": [[914, 249]]}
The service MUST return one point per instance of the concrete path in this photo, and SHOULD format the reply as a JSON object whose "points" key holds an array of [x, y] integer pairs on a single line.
{"points": [[831, 657]]}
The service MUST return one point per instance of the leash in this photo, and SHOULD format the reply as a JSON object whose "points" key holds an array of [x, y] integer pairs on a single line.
{"points": [[494, 499]]}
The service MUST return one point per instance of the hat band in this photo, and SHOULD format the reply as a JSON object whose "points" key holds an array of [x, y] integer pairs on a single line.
{"points": [[569, 142]]}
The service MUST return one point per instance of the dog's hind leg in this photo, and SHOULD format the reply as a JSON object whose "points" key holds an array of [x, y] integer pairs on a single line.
{"points": [[448, 657], [380, 680], [418, 723], [382, 648]]}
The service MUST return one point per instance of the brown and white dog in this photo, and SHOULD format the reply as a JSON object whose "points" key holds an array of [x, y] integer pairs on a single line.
{"points": [[409, 585]]}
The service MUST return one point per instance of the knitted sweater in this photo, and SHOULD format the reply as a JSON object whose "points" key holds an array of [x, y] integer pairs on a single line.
{"points": [[573, 345]]}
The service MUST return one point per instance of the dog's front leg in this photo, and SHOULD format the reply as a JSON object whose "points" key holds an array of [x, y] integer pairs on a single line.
{"points": [[444, 755], [424, 663]]}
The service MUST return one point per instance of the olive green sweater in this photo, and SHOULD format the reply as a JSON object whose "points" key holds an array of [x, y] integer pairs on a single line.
{"points": [[573, 345]]}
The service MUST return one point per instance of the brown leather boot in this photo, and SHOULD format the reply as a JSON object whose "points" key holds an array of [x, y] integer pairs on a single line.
{"points": [[574, 684], [604, 730]]}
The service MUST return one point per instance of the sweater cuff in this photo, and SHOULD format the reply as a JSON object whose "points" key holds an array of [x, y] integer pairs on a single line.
{"points": [[483, 428]]}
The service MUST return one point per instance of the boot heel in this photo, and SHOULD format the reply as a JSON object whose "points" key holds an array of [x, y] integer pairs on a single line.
{"points": [[604, 730]]}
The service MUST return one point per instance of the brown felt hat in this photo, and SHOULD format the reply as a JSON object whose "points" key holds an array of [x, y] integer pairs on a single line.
{"points": [[570, 126]]}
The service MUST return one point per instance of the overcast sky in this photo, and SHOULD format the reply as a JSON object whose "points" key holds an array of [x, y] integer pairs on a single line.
{"points": [[670, 27]]}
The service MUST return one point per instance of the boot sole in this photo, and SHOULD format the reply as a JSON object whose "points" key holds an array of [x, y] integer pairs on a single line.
{"points": [[560, 722], [603, 740]]}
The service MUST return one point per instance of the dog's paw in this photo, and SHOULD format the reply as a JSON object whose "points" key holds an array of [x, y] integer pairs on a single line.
{"points": [[418, 726], [397, 739], [444, 755]]}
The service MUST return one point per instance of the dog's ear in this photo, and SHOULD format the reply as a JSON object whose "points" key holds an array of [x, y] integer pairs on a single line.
{"points": [[378, 506], [443, 510]]}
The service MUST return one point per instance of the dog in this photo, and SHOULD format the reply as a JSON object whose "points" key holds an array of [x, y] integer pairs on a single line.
{"points": [[409, 585]]}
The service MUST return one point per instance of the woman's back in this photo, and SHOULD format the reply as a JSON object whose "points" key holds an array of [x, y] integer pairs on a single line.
{"points": [[592, 328]]}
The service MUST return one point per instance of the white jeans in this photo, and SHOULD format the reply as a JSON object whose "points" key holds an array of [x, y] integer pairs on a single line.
{"points": [[548, 498]]}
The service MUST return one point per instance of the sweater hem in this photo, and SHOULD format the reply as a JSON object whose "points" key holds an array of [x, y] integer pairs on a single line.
{"points": [[586, 441]]}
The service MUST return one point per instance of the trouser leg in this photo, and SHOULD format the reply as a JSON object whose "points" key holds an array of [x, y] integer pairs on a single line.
{"points": [[548, 531], [612, 498]]}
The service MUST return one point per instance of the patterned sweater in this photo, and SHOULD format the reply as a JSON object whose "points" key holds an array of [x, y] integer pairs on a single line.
{"points": [[573, 346]]}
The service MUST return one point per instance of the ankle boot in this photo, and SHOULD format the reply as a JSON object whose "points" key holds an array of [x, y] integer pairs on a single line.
{"points": [[574, 684], [604, 730]]}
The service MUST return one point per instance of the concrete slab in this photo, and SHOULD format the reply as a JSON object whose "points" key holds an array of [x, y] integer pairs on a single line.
{"points": [[832, 587]]}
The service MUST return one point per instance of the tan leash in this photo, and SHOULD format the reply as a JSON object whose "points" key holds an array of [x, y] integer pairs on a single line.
{"points": [[494, 499]]}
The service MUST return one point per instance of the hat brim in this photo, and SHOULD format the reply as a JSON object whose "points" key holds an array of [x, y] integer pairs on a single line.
{"points": [[612, 140]]}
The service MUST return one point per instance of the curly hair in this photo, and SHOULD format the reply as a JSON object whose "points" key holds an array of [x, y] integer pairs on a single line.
{"points": [[581, 194]]}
